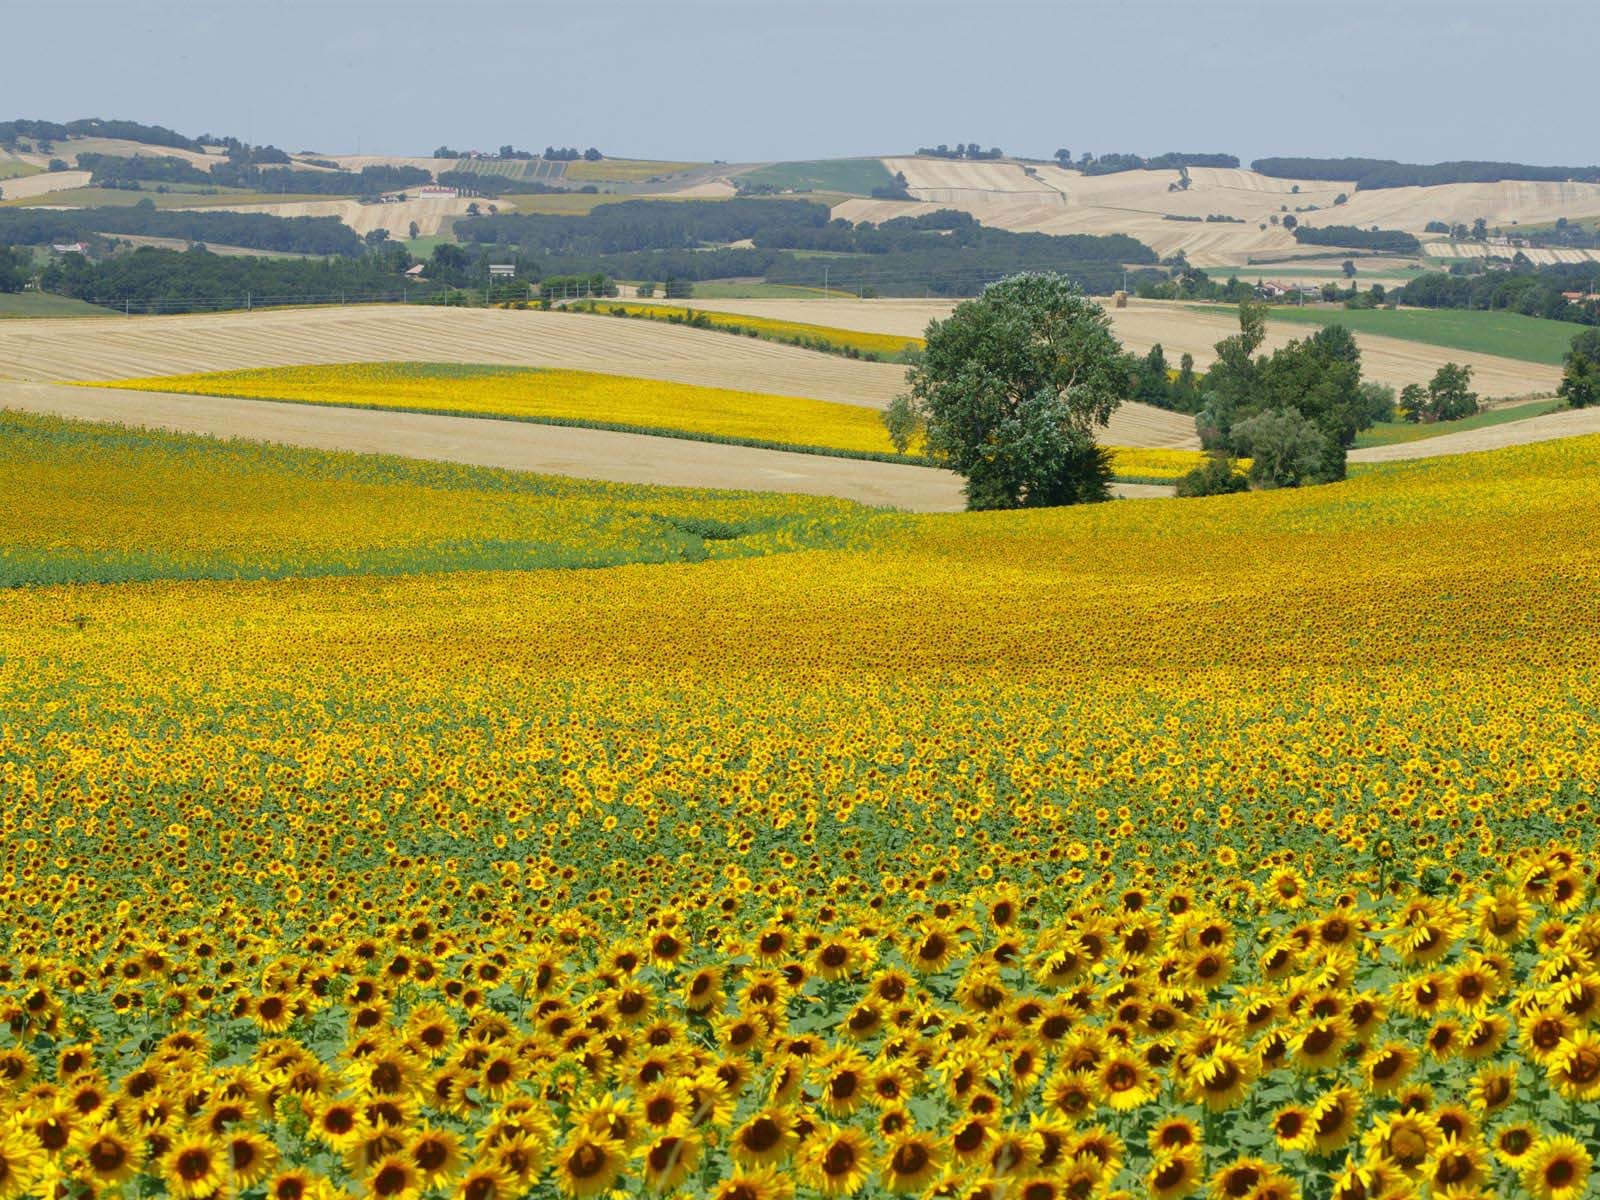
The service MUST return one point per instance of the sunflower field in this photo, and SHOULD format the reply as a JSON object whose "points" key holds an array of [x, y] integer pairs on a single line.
{"points": [[1242, 848]]}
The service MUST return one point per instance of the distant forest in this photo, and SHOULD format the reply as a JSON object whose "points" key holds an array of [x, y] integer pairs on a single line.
{"points": [[1375, 173], [116, 170], [11, 132], [944, 253], [254, 231], [1384, 241]]}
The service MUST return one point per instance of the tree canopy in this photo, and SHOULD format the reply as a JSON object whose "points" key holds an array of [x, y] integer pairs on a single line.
{"points": [[1011, 388]]}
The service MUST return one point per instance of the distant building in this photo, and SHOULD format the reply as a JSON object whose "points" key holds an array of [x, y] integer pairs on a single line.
{"points": [[435, 191], [414, 271], [70, 248]]}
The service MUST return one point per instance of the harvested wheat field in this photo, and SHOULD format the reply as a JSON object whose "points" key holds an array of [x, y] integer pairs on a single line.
{"points": [[431, 214], [1045, 198], [30, 187], [136, 346], [141, 346], [1563, 424], [1178, 327]]}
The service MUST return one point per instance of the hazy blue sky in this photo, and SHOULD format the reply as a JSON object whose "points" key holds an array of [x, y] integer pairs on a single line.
{"points": [[1419, 80]]}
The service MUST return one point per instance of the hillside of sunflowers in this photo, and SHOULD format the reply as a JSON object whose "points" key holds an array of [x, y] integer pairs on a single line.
{"points": [[372, 828]]}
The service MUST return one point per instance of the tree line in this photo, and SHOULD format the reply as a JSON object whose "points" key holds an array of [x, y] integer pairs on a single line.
{"points": [[1375, 173], [254, 231], [1386, 241], [1531, 291], [197, 280], [12, 132], [941, 253], [115, 170]]}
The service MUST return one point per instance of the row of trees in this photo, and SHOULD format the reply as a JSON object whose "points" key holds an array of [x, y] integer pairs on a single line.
{"points": [[1532, 291], [149, 279], [971, 150], [255, 231], [13, 132], [1111, 164], [1381, 241], [940, 253], [1373, 173], [115, 170], [510, 153]]}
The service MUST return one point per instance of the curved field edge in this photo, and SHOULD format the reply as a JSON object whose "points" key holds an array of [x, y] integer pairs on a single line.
{"points": [[101, 503]]}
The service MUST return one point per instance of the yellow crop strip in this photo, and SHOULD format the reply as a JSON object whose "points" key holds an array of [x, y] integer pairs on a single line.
{"points": [[885, 345], [1242, 847], [550, 394]]}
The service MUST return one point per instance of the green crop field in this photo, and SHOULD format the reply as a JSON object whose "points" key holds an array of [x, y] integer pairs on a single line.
{"points": [[1511, 335], [13, 168], [852, 176], [1389, 433], [43, 304]]}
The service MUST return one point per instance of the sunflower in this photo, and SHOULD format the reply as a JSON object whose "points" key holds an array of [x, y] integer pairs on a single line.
{"points": [[339, 1124], [766, 1138], [1073, 1094], [1559, 1169], [845, 1084], [1174, 1135], [1457, 1164], [969, 1138], [250, 1156], [1172, 1175], [1371, 1180], [1493, 1088], [763, 1183], [195, 1165], [931, 949], [1238, 1179], [1220, 1080], [295, 1184], [589, 1163], [1291, 1127], [394, 1177], [1387, 1067], [486, 1182], [669, 1158], [1504, 917], [436, 1153], [1333, 1119], [1574, 1067], [913, 1161], [1013, 1153], [836, 1161], [110, 1155], [1321, 1044], [1515, 1144], [1406, 1140], [1125, 1081]]}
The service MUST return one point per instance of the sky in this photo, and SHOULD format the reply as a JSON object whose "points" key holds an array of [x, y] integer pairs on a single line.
{"points": [[758, 80]]}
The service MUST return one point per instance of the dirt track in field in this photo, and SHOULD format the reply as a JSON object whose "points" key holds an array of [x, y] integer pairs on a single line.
{"points": [[139, 346], [1571, 423], [1178, 328]]}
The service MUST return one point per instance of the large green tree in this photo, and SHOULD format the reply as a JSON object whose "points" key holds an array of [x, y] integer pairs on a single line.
{"points": [[1580, 375], [1317, 378], [1011, 388]]}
